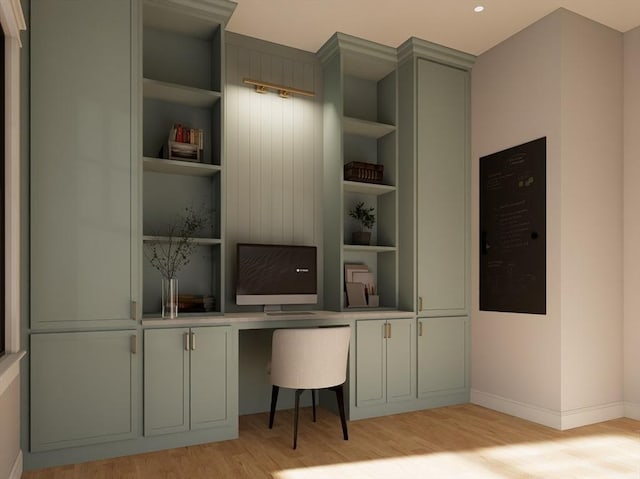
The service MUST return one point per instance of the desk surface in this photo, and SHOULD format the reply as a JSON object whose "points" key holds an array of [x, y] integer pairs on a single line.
{"points": [[261, 320]]}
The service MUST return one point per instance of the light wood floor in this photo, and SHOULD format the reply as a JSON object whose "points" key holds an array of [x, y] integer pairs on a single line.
{"points": [[464, 441]]}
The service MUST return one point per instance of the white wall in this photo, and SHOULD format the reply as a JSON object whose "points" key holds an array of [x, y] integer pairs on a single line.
{"points": [[632, 223], [559, 78], [515, 97], [591, 230]]}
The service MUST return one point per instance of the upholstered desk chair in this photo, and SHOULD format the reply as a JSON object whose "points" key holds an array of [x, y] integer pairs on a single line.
{"points": [[311, 358]]}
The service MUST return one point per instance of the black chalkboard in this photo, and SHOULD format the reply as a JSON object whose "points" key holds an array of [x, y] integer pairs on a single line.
{"points": [[513, 233]]}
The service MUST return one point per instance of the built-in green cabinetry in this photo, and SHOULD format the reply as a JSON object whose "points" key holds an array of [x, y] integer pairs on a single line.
{"points": [[360, 125], [101, 187], [186, 379], [83, 194], [183, 64], [434, 197], [83, 387], [385, 364]]}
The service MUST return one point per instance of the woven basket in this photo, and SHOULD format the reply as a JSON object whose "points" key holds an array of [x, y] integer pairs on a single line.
{"points": [[363, 172]]}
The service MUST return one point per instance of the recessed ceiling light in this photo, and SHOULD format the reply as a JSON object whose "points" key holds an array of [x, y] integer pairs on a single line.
{"points": [[478, 9]]}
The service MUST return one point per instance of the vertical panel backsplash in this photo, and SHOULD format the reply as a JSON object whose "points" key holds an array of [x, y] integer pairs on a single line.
{"points": [[273, 160]]}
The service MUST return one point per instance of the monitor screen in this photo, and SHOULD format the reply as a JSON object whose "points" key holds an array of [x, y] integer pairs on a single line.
{"points": [[276, 274]]}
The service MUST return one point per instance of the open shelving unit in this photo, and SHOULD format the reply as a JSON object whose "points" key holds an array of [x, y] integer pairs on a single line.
{"points": [[360, 124], [183, 83]]}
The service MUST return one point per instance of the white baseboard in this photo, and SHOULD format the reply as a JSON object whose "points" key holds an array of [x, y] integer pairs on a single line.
{"points": [[632, 410], [16, 470], [532, 413], [592, 415], [547, 417]]}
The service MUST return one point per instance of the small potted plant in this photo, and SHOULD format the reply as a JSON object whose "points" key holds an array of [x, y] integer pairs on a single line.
{"points": [[367, 218]]}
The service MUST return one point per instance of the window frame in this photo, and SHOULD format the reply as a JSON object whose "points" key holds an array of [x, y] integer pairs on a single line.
{"points": [[12, 20]]}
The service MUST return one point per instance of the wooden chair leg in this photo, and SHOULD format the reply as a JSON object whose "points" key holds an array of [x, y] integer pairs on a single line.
{"points": [[343, 420], [295, 418], [274, 400], [313, 402]]}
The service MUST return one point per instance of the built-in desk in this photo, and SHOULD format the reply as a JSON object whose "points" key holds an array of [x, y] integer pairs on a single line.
{"points": [[251, 342]]}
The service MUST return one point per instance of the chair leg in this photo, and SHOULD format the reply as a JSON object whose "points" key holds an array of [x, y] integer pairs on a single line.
{"points": [[313, 401], [295, 418], [343, 420], [274, 400]]}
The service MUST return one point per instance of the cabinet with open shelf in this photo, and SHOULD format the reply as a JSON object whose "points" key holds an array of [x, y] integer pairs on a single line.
{"points": [[360, 124], [183, 51]]}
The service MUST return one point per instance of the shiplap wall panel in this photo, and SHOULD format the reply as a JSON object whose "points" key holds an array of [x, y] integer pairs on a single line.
{"points": [[273, 159]]}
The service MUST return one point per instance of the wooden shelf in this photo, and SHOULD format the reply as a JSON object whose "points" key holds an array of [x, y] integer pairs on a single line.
{"points": [[367, 188], [174, 93], [370, 129], [368, 249], [175, 167], [199, 241]]}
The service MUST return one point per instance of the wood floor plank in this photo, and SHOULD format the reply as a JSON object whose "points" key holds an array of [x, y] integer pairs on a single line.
{"points": [[464, 441]]}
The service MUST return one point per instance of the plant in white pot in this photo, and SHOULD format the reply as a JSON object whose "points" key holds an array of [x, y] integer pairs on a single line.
{"points": [[367, 218], [172, 251]]}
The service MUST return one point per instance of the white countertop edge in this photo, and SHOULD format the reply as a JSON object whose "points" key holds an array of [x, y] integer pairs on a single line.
{"points": [[236, 318]]}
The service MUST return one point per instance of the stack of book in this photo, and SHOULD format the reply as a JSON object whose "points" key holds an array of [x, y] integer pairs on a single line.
{"points": [[185, 143], [196, 303]]}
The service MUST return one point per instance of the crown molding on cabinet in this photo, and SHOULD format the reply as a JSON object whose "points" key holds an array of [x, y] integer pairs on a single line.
{"points": [[192, 17], [362, 58], [415, 47]]}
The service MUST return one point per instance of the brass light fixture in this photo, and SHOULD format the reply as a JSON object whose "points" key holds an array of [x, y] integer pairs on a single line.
{"points": [[283, 91]]}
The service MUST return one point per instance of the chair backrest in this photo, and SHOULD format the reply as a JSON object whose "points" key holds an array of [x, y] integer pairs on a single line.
{"points": [[311, 358]]}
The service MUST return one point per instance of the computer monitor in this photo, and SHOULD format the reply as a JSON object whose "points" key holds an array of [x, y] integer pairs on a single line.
{"points": [[272, 275]]}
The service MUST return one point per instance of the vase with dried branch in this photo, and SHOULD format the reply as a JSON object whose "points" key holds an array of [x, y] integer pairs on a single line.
{"points": [[172, 251]]}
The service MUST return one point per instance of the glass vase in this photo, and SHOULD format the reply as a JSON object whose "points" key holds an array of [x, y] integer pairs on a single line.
{"points": [[169, 298]]}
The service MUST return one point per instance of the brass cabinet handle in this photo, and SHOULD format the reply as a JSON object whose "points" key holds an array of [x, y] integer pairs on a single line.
{"points": [[389, 333], [385, 331], [134, 310], [193, 341], [419, 303], [420, 328], [134, 344], [187, 341]]}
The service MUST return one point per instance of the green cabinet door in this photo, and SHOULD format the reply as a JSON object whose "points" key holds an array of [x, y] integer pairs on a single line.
{"points": [[400, 360], [209, 363], [81, 170], [385, 359], [186, 379], [371, 352], [166, 381], [442, 345], [83, 388], [442, 162]]}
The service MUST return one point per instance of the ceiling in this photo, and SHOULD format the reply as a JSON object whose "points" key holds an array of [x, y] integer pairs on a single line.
{"points": [[307, 24]]}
